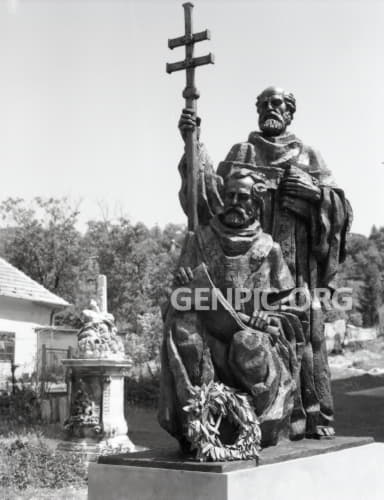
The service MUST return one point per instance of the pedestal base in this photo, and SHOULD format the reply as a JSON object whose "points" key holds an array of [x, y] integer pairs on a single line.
{"points": [[96, 424], [353, 473]]}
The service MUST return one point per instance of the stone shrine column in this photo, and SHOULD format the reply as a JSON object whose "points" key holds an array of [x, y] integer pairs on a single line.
{"points": [[96, 422]]}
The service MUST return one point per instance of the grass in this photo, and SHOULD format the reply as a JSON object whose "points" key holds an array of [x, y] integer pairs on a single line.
{"points": [[28, 461], [44, 494]]}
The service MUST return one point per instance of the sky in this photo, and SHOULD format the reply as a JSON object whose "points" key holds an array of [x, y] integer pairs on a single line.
{"points": [[87, 110]]}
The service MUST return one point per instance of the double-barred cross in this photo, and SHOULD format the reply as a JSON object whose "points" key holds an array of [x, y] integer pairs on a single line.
{"points": [[191, 94]]}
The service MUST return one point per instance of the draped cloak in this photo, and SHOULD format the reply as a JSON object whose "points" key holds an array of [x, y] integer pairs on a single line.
{"points": [[313, 246], [196, 350]]}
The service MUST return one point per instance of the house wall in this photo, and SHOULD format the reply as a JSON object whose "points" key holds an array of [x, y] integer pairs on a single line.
{"points": [[22, 317], [24, 310], [358, 334], [56, 338], [25, 347], [59, 339]]}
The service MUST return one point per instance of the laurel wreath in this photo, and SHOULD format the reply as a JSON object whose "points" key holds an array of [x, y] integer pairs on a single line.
{"points": [[206, 409]]}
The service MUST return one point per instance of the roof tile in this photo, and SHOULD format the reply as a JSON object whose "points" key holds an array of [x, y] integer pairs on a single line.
{"points": [[14, 283]]}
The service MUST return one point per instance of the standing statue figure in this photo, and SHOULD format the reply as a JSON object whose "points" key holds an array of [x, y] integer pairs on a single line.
{"points": [[303, 210]]}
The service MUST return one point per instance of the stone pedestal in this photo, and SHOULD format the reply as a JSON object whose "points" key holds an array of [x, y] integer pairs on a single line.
{"points": [[354, 473], [96, 423]]}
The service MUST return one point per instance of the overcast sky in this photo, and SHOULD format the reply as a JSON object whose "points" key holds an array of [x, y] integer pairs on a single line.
{"points": [[88, 111]]}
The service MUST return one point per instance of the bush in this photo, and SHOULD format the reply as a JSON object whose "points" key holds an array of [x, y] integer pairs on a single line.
{"points": [[143, 390], [23, 406], [144, 345], [332, 315], [28, 461]]}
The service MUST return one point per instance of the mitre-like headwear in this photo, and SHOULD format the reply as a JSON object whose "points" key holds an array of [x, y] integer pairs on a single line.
{"points": [[240, 162]]}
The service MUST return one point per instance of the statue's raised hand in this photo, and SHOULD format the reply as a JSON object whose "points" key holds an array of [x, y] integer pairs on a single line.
{"points": [[183, 276], [259, 321], [188, 121], [264, 322], [298, 192], [298, 184]]}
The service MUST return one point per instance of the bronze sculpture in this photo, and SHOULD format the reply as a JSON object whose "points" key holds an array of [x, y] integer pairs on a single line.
{"points": [[271, 207], [236, 345], [304, 211]]}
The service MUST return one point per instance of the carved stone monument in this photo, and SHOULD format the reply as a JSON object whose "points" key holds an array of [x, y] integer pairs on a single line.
{"points": [[95, 377]]}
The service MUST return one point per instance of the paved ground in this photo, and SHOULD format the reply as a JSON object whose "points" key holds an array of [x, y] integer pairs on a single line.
{"points": [[45, 494], [359, 403], [144, 429]]}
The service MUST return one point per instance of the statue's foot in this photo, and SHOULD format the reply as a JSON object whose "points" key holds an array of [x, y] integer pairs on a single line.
{"points": [[321, 432], [297, 430]]}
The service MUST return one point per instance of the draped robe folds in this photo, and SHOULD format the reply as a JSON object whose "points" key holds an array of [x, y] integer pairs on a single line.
{"points": [[200, 347], [313, 246]]}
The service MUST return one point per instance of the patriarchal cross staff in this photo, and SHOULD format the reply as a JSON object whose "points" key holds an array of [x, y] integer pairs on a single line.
{"points": [[191, 95]]}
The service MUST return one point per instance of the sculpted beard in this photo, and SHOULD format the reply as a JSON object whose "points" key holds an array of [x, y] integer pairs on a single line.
{"points": [[274, 122], [236, 216]]}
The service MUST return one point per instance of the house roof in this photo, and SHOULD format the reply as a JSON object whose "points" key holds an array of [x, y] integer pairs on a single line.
{"points": [[14, 283]]}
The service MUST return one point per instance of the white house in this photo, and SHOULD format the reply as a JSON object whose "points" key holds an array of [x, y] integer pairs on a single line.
{"points": [[25, 305]]}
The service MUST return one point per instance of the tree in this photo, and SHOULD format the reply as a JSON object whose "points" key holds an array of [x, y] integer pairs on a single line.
{"points": [[363, 271], [41, 239], [138, 263]]}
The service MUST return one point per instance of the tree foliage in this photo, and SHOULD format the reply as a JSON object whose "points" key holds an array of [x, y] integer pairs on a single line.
{"points": [[42, 239], [138, 263], [363, 271]]}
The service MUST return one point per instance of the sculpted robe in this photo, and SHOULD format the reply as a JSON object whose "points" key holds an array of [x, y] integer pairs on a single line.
{"points": [[312, 245], [201, 346]]}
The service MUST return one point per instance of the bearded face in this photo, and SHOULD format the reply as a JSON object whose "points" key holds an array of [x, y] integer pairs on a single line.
{"points": [[274, 116], [240, 208]]}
